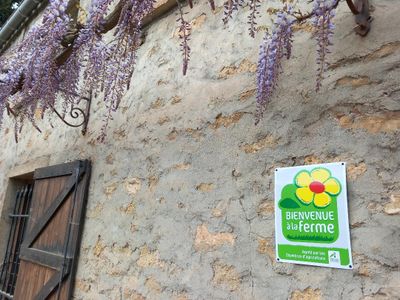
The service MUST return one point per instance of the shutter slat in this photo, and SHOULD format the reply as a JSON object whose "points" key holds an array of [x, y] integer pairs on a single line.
{"points": [[50, 286], [43, 258], [57, 170]]}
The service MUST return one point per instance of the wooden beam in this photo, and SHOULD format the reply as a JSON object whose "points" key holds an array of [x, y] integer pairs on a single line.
{"points": [[160, 9], [43, 258], [51, 285]]}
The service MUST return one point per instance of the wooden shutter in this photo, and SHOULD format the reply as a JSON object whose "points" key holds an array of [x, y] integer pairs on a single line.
{"points": [[51, 244]]}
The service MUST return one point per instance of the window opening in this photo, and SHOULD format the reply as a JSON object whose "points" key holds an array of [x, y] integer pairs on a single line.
{"points": [[19, 217]]}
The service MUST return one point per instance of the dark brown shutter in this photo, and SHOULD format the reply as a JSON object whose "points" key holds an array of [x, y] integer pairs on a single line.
{"points": [[51, 244]]}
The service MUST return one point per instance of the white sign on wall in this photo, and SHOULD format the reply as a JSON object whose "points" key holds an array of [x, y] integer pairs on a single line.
{"points": [[311, 216]]}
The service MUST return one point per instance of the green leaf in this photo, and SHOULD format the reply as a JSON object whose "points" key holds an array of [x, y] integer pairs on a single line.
{"points": [[288, 203]]}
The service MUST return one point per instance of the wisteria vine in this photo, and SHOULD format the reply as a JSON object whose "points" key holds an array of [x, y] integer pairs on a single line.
{"points": [[49, 68]]}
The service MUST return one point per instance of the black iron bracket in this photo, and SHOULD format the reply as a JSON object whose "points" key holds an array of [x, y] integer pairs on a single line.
{"points": [[361, 10], [77, 113]]}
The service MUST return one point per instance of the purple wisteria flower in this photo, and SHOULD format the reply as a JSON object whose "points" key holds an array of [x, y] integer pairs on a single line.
{"points": [[323, 16], [32, 82], [89, 55], [35, 76], [254, 13], [123, 54], [274, 48], [184, 34], [230, 6]]}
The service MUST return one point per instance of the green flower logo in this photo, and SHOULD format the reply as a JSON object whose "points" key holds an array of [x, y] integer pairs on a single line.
{"points": [[317, 186]]}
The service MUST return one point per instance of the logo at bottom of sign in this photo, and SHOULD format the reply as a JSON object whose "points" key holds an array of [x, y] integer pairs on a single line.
{"points": [[311, 216]]}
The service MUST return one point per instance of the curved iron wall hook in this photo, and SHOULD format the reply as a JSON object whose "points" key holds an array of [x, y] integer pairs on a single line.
{"points": [[361, 9], [77, 113]]}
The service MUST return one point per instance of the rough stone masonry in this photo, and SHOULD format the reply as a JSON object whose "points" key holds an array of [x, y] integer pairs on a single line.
{"points": [[181, 197]]}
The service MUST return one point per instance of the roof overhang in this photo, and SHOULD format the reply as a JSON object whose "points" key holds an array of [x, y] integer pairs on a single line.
{"points": [[18, 20]]}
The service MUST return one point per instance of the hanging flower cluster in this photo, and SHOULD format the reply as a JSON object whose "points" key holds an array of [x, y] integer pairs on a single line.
{"points": [[32, 81], [89, 54], [323, 25], [274, 48], [278, 45], [121, 60], [35, 80], [230, 7], [61, 59], [184, 34], [252, 18]]}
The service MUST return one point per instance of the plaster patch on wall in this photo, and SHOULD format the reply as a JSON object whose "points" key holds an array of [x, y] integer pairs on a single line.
{"points": [[226, 276], [132, 185], [207, 241], [307, 294], [393, 207]]}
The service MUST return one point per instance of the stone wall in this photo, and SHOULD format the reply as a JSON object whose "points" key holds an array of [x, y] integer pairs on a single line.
{"points": [[181, 198]]}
